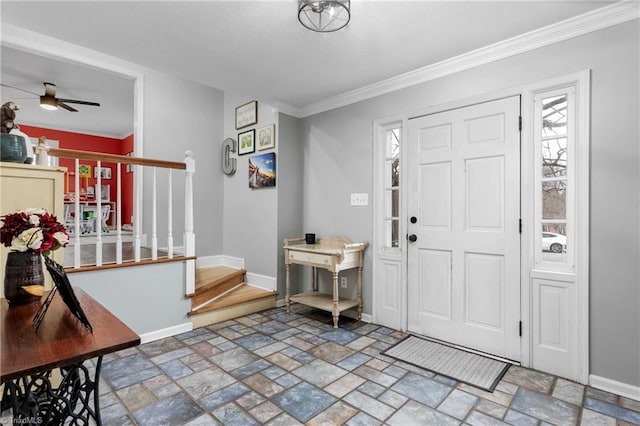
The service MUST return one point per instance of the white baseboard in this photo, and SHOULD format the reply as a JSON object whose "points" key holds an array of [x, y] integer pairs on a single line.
{"points": [[350, 313], [220, 260], [613, 386], [262, 281], [166, 332]]}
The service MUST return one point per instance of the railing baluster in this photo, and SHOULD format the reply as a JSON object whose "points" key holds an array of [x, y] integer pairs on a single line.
{"points": [[189, 236], [170, 217], [154, 217], [119, 215], [97, 219], [137, 210], [76, 216]]}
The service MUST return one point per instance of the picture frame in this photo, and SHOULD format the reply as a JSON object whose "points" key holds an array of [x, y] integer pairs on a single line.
{"points": [[105, 173], [266, 138], [246, 142], [262, 170], [246, 115], [84, 171], [129, 167], [105, 193]]}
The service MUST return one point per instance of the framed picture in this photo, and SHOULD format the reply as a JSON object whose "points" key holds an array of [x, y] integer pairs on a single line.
{"points": [[247, 114], [129, 167], [105, 172], [246, 142], [105, 191], [262, 170], [267, 137], [84, 171]]}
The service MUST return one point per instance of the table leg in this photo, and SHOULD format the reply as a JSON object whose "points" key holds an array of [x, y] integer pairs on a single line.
{"points": [[335, 300], [314, 277], [34, 400], [359, 291], [287, 294]]}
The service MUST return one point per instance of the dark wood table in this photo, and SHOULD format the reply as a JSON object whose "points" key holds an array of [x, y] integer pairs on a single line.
{"points": [[61, 341]]}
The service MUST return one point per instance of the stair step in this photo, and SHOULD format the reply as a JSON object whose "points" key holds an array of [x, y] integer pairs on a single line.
{"points": [[244, 293], [215, 281]]}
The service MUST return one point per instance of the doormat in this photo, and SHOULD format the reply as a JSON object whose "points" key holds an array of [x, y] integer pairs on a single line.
{"points": [[457, 364]]}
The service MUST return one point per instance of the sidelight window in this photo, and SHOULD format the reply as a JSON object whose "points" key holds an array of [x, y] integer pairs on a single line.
{"points": [[392, 138], [554, 141]]}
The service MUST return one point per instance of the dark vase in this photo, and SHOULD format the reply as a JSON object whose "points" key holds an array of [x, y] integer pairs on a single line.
{"points": [[13, 148], [23, 278]]}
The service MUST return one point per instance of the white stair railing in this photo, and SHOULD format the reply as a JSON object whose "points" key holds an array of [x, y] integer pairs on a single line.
{"points": [[138, 164]]}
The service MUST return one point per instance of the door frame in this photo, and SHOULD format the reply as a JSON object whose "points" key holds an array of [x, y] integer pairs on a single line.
{"points": [[380, 259]]}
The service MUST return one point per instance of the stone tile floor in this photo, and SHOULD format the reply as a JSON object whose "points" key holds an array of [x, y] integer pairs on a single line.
{"points": [[279, 369]]}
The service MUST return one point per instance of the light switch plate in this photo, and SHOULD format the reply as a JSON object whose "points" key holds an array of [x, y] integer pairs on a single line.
{"points": [[360, 199]]}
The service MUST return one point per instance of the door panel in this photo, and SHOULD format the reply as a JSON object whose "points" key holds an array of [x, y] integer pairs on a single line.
{"points": [[464, 268]]}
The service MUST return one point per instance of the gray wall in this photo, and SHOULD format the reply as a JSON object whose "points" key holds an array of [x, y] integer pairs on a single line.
{"points": [[290, 193], [338, 161], [250, 215], [132, 294], [180, 115]]}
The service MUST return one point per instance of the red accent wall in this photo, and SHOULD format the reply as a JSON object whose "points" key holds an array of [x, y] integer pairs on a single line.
{"points": [[85, 142]]}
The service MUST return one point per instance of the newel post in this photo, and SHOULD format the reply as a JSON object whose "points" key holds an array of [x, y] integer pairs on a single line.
{"points": [[189, 236]]}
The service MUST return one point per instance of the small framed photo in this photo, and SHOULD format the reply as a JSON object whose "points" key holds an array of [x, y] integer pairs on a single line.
{"points": [[84, 171], [246, 115], [105, 192], [105, 172], [246, 142], [267, 137], [129, 168]]}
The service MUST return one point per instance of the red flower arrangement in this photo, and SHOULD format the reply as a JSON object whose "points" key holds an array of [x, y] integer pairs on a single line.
{"points": [[33, 230]]}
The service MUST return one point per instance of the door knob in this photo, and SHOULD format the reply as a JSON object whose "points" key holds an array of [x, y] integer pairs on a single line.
{"points": [[413, 219], [412, 238]]}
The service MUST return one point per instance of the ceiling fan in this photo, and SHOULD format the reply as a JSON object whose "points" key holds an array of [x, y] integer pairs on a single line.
{"points": [[49, 101]]}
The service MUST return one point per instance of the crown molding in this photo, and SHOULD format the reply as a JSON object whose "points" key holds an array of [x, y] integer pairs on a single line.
{"points": [[594, 20]]}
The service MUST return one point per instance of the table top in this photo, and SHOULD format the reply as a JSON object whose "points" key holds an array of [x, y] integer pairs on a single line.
{"points": [[61, 339], [333, 246]]}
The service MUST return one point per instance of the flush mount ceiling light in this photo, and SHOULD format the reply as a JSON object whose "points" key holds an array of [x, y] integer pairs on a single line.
{"points": [[324, 16], [49, 103]]}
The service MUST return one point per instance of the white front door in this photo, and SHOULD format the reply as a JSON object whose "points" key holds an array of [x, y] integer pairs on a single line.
{"points": [[463, 205]]}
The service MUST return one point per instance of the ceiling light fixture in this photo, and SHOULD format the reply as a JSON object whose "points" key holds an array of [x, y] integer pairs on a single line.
{"points": [[324, 16], [48, 103]]}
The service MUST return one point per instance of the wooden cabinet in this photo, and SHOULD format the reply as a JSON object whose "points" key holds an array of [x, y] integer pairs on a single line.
{"points": [[334, 254], [23, 186]]}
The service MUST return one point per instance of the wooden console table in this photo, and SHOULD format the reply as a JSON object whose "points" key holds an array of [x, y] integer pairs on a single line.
{"points": [[334, 254], [29, 356]]}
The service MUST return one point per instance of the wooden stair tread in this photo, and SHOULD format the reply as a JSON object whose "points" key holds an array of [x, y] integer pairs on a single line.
{"points": [[210, 277], [242, 294], [214, 282]]}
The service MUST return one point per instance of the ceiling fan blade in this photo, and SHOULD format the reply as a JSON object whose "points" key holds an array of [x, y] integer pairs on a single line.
{"points": [[67, 107], [17, 88], [49, 89], [74, 101]]}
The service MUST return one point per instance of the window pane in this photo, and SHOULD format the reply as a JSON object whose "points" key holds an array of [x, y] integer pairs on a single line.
{"points": [[554, 157], [392, 148], [395, 231], [395, 203], [554, 116], [391, 173], [554, 242], [554, 199]]}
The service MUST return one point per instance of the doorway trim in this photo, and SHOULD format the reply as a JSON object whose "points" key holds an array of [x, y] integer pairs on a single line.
{"points": [[49, 47], [380, 260]]}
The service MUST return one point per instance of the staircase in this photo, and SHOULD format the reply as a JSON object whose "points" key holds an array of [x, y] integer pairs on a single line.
{"points": [[221, 293]]}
